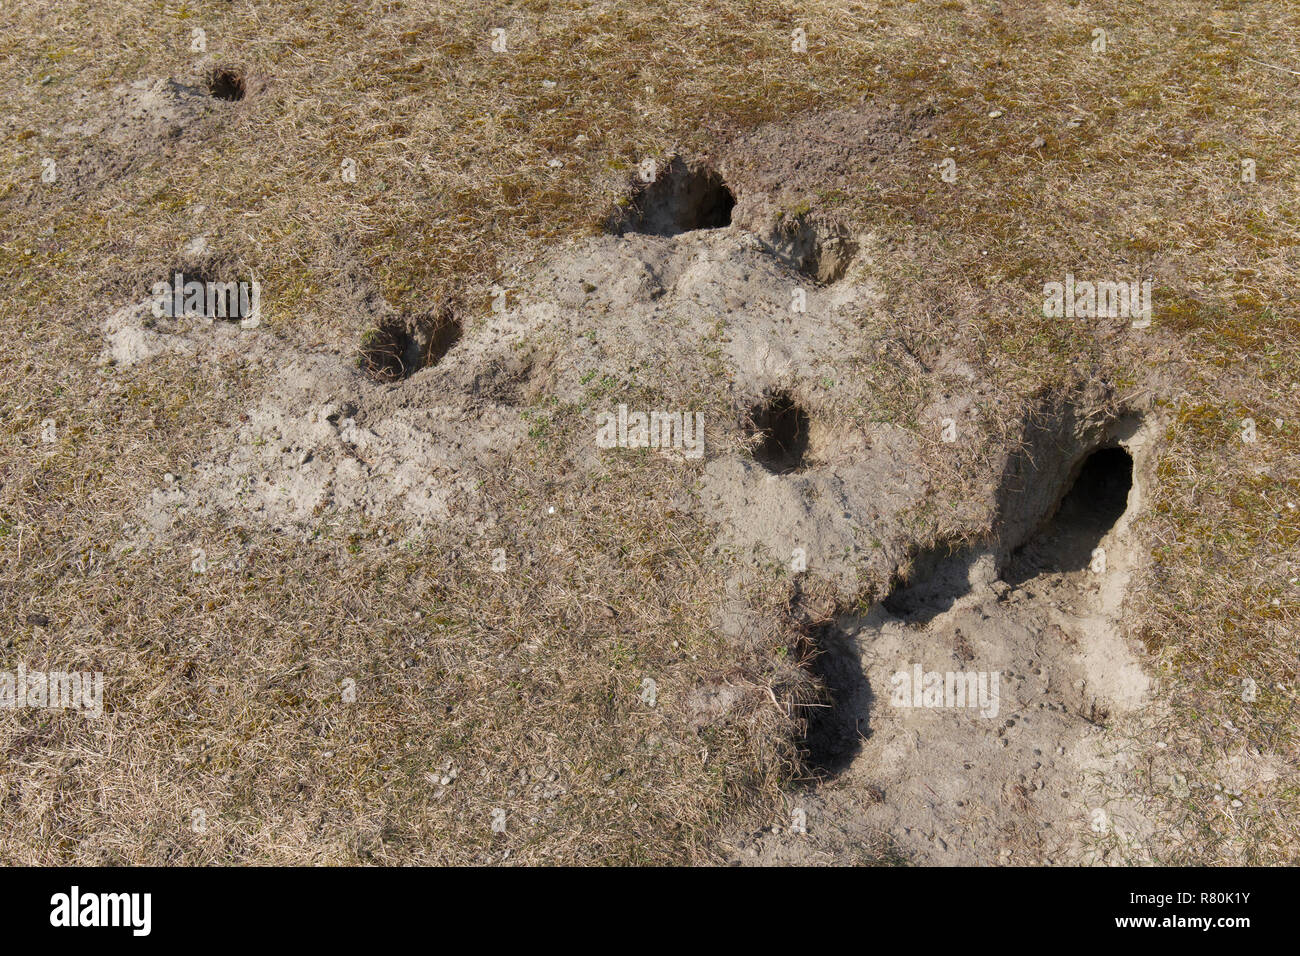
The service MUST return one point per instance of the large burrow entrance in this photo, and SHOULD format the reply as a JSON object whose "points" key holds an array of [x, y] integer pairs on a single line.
{"points": [[778, 426], [837, 724], [1092, 496], [1095, 500], [682, 197], [398, 348]]}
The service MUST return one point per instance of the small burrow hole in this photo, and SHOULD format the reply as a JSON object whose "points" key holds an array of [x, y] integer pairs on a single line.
{"points": [[503, 381], [400, 347], [1095, 500], [182, 275], [683, 197], [390, 352], [780, 428], [211, 289], [226, 84]]}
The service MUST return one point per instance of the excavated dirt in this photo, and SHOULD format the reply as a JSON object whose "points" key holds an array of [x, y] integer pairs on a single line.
{"points": [[702, 319], [1021, 779], [147, 121], [785, 177], [144, 111]]}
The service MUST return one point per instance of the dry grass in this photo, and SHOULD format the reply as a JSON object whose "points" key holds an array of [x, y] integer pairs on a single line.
{"points": [[225, 687]]}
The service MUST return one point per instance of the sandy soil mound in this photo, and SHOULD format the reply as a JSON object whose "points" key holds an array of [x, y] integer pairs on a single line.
{"points": [[709, 296]]}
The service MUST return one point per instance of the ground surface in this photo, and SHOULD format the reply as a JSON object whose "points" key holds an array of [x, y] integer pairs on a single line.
{"points": [[364, 584]]}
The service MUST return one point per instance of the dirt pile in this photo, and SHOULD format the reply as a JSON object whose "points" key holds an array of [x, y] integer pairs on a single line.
{"points": [[704, 299]]}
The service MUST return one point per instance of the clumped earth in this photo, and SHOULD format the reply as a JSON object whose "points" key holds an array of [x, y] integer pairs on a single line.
{"points": [[364, 583]]}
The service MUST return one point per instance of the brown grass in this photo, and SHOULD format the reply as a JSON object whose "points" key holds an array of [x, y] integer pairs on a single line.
{"points": [[225, 687]]}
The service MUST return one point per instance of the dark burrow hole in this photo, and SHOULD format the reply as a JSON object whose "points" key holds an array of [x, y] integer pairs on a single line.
{"points": [[682, 198], [225, 84], [781, 427], [837, 726], [936, 579], [1096, 499], [204, 275], [398, 348]]}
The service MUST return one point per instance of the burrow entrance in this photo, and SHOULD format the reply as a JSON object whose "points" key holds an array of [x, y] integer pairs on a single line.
{"points": [[838, 724], [1095, 497], [225, 83], [779, 426], [399, 348], [204, 274], [683, 197], [1095, 500]]}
